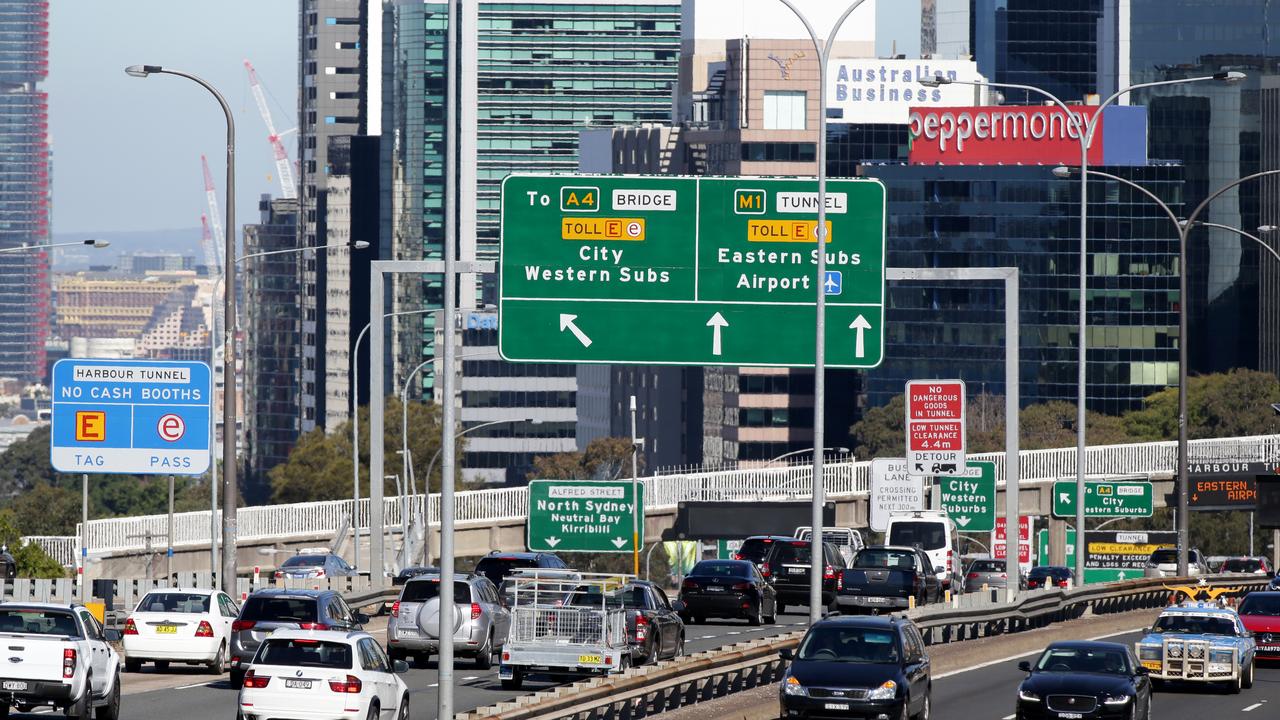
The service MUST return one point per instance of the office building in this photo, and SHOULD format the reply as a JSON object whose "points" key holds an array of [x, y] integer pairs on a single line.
{"points": [[1049, 45], [24, 206], [100, 305], [272, 327], [1269, 214]]}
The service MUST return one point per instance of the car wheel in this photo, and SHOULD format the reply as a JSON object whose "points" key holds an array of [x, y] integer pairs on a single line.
{"points": [[403, 712], [905, 713], [779, 608], [925, 709], [237, 679], [162, 665], [132, 665], [1248, 677], [679, 647], [219, 663], [754, 617], [653, 651], [111, 711], [516, 681], [373, 711], [1233, 686], [484, 656], [80, 710]]}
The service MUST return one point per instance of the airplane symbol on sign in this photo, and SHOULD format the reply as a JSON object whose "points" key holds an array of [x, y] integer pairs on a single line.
{"points": [[833, 283]]}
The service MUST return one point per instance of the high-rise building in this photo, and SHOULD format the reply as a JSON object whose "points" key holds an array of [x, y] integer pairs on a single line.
{"points": [[273, 324], [24, 204], [1049, 45], [1269, 214]]}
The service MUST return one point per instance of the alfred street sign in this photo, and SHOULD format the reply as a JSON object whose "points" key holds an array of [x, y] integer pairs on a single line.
{"points": [[688, 271], [1103, 499], [581, 516], [970, 500]]}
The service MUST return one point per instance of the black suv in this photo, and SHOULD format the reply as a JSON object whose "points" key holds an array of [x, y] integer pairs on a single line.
{"points": [[787, 568], [498, 565], [267, 610], [857, 667]]}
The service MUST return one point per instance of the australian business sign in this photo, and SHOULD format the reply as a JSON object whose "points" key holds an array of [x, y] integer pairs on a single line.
{"points": [[867, 90], [1025, 135]]}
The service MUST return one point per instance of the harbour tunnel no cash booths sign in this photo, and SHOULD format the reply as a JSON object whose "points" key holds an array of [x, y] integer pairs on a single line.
{"points": [[688, 271], [130, 416]]}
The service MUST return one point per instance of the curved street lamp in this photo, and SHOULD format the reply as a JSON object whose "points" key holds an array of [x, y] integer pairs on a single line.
{"points": [[91, 243], [1084, 134]]}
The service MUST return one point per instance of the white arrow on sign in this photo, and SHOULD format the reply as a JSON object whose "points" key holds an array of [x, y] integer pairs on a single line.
{"points": [[962, 521], [618, 542], [861, 325], [1064, 498], [553, 541], [717, 321], [566, 323]]}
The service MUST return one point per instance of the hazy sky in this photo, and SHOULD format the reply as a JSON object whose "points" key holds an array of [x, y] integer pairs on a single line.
{"points": [[126, 151], [898, 20]]}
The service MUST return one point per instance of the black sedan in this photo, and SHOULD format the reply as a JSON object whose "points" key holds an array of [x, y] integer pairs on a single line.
{"points": [[1049, 576], [654, 627], [857, 667], [1085, 680], [727, 589]]}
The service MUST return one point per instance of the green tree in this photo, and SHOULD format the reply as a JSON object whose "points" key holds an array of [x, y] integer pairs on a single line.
{"points": [[26, 463], [31, 559], [881, 432], [603, 459], [47, 510], [319, 466], [1227, 404]]}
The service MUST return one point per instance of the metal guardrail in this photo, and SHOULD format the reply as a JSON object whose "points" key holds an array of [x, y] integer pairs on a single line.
{"points": [[663, 491], [708, 675]]}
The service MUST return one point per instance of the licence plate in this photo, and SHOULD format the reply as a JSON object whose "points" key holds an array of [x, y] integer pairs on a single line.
{"points": [[590, 659], [505, 673], [1070, 715], [835, 706], [876, 599], [1269, 648], [298, 684], [1151, 664], [797, 571], [715, 588], [166, 629], [406, 632], [14, 685]]}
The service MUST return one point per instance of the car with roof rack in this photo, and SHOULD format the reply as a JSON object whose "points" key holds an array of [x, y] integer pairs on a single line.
{"points": [[1199, 642]]}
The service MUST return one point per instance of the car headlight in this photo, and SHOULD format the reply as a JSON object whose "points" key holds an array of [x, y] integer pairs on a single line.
{"points": [[792, 686], [1115, 699], [1148, 652], [1027, 696], [1195, 652], [1221, 656], [887, 691], [1175, 651]]}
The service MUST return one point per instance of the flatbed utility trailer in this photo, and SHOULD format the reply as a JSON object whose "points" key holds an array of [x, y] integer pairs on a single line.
{"points": [[565, 626]]}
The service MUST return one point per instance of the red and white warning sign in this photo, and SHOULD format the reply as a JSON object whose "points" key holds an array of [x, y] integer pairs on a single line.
{"points": [[998, 542], [171, 427], [935, 427]]}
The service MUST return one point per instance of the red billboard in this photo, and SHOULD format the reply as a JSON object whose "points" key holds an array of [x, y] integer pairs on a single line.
{"points": [[1025, 135]]}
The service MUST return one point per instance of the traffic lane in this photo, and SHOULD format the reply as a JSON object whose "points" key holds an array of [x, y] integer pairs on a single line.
{"points": [[989, 692]]}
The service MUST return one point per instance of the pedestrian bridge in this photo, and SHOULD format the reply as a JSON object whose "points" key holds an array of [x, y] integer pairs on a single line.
{"points": [[494, 519]]}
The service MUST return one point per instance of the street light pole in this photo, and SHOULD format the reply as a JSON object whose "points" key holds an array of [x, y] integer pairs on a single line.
{"points": [[816, 565], [91, 243], [1084, 134], [229, 434]]}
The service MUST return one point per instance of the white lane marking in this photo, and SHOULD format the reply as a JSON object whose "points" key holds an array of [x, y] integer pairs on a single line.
{"points": [[1252, 707], [194, 685], [470, 677], [434, 685], [733, 633], [1027, 654], [1008, 717]]}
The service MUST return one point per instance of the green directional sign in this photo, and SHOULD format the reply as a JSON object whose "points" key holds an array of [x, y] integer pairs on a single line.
{"points": [[582, 516], [970, 499], [1103, 499], [688, 271]]}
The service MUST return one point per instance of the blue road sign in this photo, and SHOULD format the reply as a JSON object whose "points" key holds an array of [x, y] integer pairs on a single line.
{"points": [[833, 282], [130, 416]]}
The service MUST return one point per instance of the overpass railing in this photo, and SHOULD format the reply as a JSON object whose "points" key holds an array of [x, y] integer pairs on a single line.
{"points": [[284, 522]]}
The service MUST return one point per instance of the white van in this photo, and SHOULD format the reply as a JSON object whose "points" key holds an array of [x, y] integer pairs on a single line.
{"points": [[934, 533]]}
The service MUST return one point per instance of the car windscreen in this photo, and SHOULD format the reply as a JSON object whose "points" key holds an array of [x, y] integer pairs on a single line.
{"points": [[1089, 660], [892, 559], [1039, 573], [987, 566], [421, 590], [928, 535], [279, 609], [791, 553], [849, 644], [1164, 557], [299, 652], [1255, 604], [1194, 624], [720, 568], [755, 549], [632, 598], [497, 568], [304, 561], [38, 622], [1242, 566], [174, 602]]}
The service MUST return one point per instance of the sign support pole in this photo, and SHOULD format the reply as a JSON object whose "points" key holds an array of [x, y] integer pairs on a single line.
{"points": [[635, 496], [168, 568], [84, 537]]}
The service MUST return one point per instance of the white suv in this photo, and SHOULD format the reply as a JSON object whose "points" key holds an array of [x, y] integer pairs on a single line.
{"points": [[323, 675]]}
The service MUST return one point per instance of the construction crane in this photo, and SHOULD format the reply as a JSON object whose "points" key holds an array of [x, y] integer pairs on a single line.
{"points": [[283, 169], [209, 246], [211, 194]]}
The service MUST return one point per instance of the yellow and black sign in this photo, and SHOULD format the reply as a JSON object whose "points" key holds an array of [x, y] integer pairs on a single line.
{"points": [[574, 228], [785, 231], [749, 202], [584, 198]]}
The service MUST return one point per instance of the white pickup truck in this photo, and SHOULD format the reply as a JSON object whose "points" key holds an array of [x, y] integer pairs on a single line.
{"points": [[58, 656], [847, 540]]}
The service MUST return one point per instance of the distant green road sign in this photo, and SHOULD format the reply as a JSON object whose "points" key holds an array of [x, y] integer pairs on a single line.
{"points": [[688, 271], [970, 499], [581, 516], [1103, 499]]}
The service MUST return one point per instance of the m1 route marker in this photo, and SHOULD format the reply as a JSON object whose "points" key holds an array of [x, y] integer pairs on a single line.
{"points": [[582, 516], [1103, 499], [935, 427], [688, 270], [970, 499]]}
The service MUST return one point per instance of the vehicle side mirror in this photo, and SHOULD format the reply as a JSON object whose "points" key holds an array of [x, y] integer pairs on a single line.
{"points": [[361, 618], [399, 667], [111, 635], [1025, 666], [787, 654], [678, 606], [1141, 671]]}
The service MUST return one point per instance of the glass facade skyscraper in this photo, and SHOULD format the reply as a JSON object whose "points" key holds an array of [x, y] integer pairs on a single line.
{"points": [[1050, 44], [24, 189], [1006, 216]]}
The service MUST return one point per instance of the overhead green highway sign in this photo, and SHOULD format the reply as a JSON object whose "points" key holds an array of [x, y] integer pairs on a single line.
{"points": [[970, 499], [582, 516], [688, 271], [1103, 499]]}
